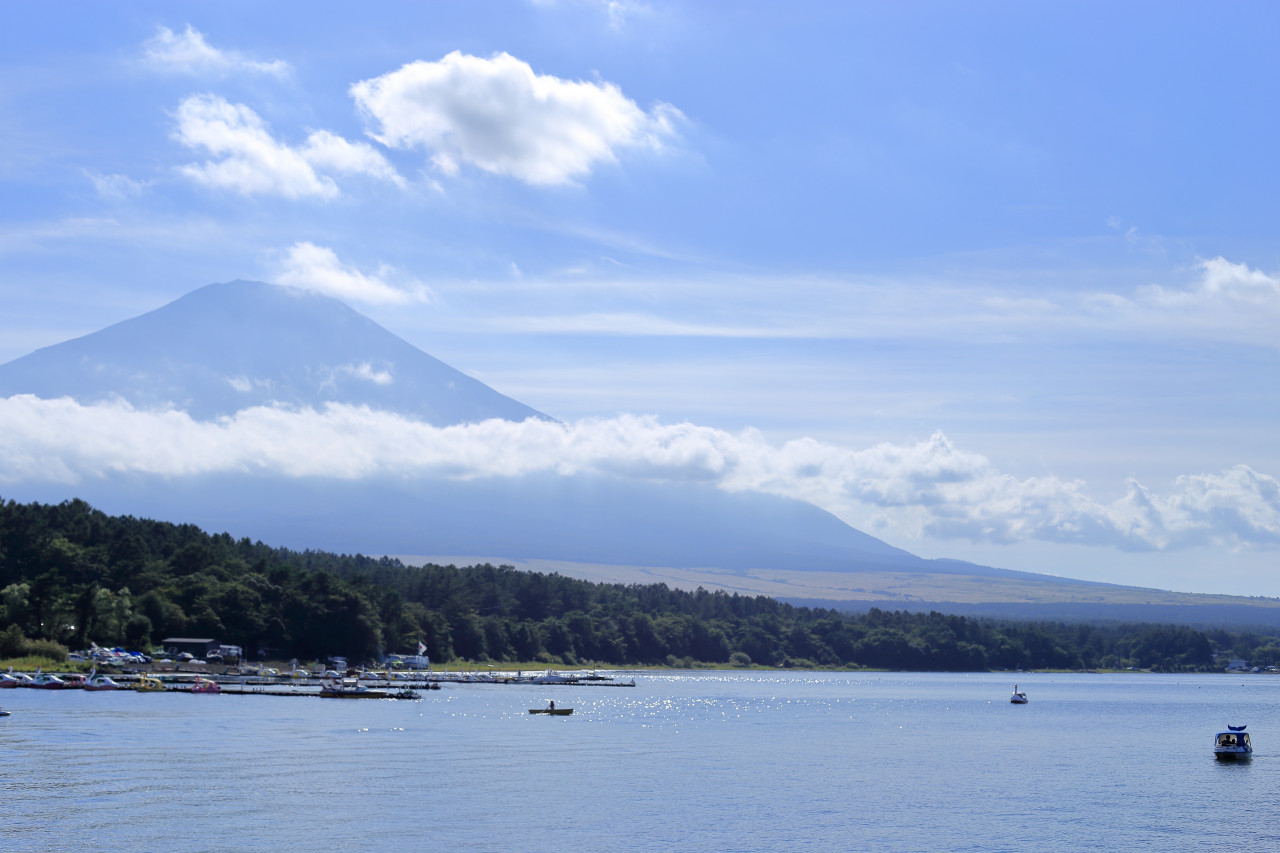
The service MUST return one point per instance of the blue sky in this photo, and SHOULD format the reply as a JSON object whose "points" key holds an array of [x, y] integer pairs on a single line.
{"points": [[996, 281]]}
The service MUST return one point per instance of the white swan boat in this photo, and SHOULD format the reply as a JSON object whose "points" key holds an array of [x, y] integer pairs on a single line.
{"points": [[98, 683], [1018, 697]]}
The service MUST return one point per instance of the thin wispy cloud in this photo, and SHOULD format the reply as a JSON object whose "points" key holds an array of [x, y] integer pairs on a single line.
{"points": [[318, 268], [1221, 300], [188, 53], [253, 162], [616, 12], [930, 489], [116, 187], [499, 116]]}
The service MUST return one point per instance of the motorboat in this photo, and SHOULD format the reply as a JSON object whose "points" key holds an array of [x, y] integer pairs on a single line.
{"points": [[349, 690], [147, 684], [552, 677], [1018, 697], [102, 682], [205, 685], [3, 712], [1232, 744]]}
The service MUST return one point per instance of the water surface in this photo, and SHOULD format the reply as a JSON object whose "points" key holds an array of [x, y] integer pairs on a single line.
{"points": [[722, 761]]}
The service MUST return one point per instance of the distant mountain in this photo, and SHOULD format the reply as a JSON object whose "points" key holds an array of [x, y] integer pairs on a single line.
{"points": [[226, 347], [585, 520]]}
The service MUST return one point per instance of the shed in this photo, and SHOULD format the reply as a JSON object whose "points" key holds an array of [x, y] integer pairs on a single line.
{"points": [[198, 647]]}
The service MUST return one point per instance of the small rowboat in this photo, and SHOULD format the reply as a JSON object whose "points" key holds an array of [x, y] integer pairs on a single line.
{"points": [[558, 712]]}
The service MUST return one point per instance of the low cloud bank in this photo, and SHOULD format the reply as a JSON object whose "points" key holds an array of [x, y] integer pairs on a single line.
{"points": [[928, 489]]}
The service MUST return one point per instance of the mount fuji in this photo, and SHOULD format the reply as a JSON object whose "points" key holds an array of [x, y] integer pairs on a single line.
{"points": [[227, 348]]}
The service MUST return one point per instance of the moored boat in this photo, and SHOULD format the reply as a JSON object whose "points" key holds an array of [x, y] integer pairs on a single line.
{"points": [[349, 690], [550, 676], [1232, 744], [1018, 697], [205, 685], [48, 681], [97, 683], [147, 684]]}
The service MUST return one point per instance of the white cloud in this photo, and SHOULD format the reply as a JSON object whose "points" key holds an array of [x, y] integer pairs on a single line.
{"points": [[617, 12], [497, 115], [115, 187], [929, 489], [1221, 283], [366, 371], [318, 268], [254, 163], [189, 53], [329, 151]]}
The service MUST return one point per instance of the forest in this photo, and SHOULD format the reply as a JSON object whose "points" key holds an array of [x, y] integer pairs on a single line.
{"points": [[71, 575]]}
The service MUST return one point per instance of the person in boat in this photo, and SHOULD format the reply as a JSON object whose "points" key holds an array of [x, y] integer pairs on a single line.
{"points": [[552, 705]]}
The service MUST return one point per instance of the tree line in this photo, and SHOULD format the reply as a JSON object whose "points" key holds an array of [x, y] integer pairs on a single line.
{"points": [[72, 575]]}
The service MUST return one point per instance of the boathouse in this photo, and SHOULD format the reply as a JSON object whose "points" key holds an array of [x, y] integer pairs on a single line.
{"points": [[198, 647]]}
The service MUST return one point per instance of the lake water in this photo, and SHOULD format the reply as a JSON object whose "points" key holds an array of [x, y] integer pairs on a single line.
{"points": [[721, 761]]}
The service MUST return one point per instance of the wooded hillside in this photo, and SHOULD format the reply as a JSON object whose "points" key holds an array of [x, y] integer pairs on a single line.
{"points": [[72, 574]]}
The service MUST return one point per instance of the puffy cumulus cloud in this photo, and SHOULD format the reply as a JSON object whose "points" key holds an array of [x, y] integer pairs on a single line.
{"points": [[497, 115], [318, 268], [188, 53], [253, 162], [927, 489]]}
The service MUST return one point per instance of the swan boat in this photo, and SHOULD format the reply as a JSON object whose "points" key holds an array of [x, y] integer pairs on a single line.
{"points": [[1018, 697], [102, 682], [147, 684]]}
